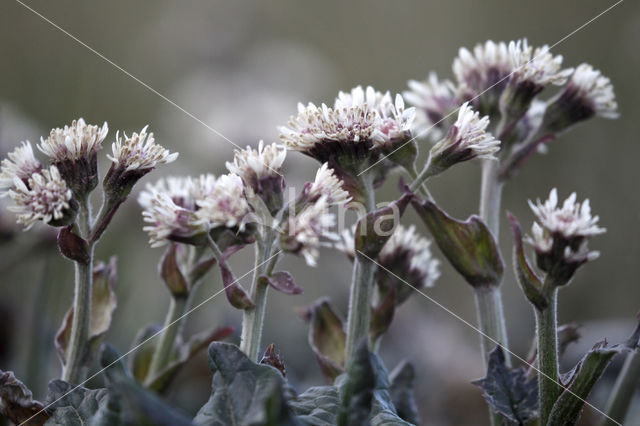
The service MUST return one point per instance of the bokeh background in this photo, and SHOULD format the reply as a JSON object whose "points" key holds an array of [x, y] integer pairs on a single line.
{"points": [[240, 67]]}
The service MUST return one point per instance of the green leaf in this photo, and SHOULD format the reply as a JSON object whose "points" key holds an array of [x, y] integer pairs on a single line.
{"points": [[78, 406], [318, 406], [469, 246], [580, 381], [529, 282], [17, 403], [103, 303], [356, 389], [383, 410], [244, 393], [185, 353], [509, 392], [402, 378], [326, 337], [140, 359]]}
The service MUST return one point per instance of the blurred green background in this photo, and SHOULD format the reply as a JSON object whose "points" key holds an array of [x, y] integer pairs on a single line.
{"points": [[241, 67]]}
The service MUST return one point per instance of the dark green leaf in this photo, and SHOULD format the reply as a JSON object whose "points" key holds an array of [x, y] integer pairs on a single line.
{"points": [[326, 337], [580, 381], [383, 411], [509, 392], [76, 405], [17, 403], [529, 282], [244, 393], [356, 388], [318, 406], [402, 394], [469, 246]]}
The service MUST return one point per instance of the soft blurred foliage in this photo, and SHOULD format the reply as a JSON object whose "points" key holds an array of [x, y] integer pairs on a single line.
{"points": [[240, 67]]}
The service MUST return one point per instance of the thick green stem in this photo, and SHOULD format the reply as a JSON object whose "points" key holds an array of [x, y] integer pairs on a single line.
{"points": [[491, 196], [361, 291], [490, 320], [166, 345], [77, 349], [546, 324], [623, 390]]}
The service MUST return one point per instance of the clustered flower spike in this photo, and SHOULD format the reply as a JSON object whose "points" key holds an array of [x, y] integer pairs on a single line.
{"points": [[139, 152], [21, 164], [466, 139], [304, 233], [183, 208], [435, 100], [46, 197], [560, 234], [537, 67], [486, 66], [328, 185], [80, 140]]}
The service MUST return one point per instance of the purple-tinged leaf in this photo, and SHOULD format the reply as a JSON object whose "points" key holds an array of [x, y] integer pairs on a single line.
{"points": [[72, 246], [236, 295], [273, 358], [281, 281], [172, 275], [17, 403], [375, 229]]}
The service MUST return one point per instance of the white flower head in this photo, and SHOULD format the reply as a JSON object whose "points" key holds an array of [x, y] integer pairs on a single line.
{"points": [[594, 90], [571, 224], [305, 232], [466, 139], [434, 99], [360, 116], [252, 165], [21, 163], [46, 198], [328, 185], [180, 189], [79, 140], [168, 220], [139, 152], [486, 66], [226, 204], [538, 67]]}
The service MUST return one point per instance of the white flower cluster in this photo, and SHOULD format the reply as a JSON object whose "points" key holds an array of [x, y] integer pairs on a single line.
{"points": [[538, 67], [434, 99], [571, 222], [182, 207], [251, 164], [80, 140], [595, 90], [21, 164], [45, 197], [328, 185], [139, 152], [485, 66], [359, 116]]}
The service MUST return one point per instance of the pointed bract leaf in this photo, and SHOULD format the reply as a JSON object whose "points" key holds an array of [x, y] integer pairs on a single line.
{"points": [[281, 281], [509, 392], [236, 295], [469, 246], [243, 392], [17, 403], [375, 229], [103, 303], [73, 246], [580, 381], [402, 394], [327, 337], [171, 274], [529, 282], [201, 269], [273, 358], [140, 359]]}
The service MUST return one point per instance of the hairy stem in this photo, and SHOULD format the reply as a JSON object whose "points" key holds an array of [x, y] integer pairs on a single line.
{"points": [[546, 324], [166, 345], [361, 290], [420, 180], [491, 196], [490, 319], [623, 390], [77, 349]]}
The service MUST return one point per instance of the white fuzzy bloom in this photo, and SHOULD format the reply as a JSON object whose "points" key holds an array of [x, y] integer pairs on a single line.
{"points": [[250, 164], [307, 230], [226, 204], [358, 116], [178, 188], [407, 243], [139, 152], [21, 163], [595, 90], [328, 185], [538, 66], [80, 140], [467, 138], [571, 221], [487, 65], [45, 198], [434, 98], [167, 219]]}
